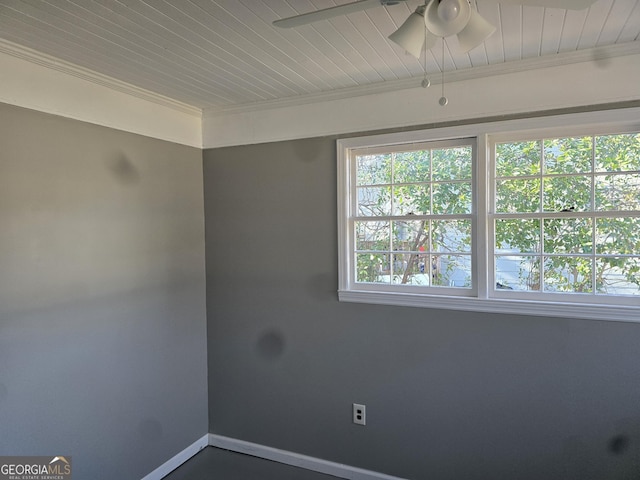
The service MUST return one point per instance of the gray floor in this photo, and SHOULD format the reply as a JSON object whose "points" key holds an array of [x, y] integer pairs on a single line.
{"points": [[217, 464]]}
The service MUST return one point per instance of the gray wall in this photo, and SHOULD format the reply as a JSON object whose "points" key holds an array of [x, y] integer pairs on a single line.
{"points": [[102, 295], [449, 394]]}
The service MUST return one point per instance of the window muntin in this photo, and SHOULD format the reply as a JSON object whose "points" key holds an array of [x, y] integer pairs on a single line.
{"points": [[412, 217], [487, 294], [567, 212]]}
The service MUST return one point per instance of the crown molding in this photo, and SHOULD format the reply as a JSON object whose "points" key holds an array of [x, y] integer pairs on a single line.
{"points": [[597, 54], [54, 63]]}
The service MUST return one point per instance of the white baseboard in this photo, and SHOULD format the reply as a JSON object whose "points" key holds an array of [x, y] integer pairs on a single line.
{"points": [[268, 453], [178, 459], [296, 459]]}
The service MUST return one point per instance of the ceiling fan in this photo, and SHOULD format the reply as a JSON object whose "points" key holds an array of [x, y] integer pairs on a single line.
{"points": [[436, 18]]}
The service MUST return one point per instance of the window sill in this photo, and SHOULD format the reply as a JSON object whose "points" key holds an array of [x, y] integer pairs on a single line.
{"points": [[491, 305]]}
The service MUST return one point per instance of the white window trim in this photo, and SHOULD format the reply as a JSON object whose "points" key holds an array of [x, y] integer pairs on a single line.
{"points": [[598, 122]]}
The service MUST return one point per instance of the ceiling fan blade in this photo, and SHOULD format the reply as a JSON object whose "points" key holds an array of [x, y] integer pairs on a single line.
{"points": [[565, 4], [331, 12]]}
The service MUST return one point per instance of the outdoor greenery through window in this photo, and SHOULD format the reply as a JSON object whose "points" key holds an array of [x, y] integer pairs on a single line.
{"points": [[413, 216], [568, 215], [503, 222]]}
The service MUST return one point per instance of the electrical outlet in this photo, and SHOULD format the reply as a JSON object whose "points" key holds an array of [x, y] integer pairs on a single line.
{"points": [[359, 414]]}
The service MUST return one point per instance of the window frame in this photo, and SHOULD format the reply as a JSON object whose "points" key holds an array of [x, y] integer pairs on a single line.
{"points": [[487, 299], [471, 216], [550, 134]]}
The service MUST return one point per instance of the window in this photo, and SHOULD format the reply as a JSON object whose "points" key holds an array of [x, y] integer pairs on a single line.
{"points": [[545, 222], [413, 216], [567, 216]]}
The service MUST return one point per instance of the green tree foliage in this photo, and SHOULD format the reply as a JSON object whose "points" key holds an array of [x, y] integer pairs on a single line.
{"points": [[568, 215], [574, 189], [410, 184]]}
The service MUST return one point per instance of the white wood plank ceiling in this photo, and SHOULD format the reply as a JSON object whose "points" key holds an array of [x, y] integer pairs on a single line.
{"points": [[217, 54]]}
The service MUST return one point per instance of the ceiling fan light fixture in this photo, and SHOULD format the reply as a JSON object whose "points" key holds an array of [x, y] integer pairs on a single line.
{"points": [[411, 34], [441, 27], [448, 10], [475, 32]]}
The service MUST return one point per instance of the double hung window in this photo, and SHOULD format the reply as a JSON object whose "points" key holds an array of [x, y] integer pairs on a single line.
{"points": [[412, 217], [545, 222], [567, 216]]}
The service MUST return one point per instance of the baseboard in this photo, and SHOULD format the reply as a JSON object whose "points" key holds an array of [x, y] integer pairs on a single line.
{"points": [[268, 453], [174, 462], [297, 460]]}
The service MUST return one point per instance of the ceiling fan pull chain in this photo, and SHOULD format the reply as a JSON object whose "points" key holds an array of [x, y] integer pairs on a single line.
{"points": [[443, 100], [425, 81]]}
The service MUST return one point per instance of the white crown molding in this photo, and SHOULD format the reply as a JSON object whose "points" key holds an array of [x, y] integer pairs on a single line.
{"points": [[54, 63], [569, 86], [598, 54]]}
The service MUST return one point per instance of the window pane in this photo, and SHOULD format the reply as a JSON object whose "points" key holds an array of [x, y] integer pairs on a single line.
{"points": [[615, 153], [407, 270], [618, 192], [568, 155], [451, 198], [451, 236], [573, 247], [517, 272], [374, 201], [420, 279], [451, 270], [372, 268], [568, 235], [565, 218], [516, 159], [618, 236], [411, 200], [564, 193], [373, 169], [518, 196], [618, 275], [518, 235], [410, 236], [451, 163], [568, 274], [372, 236], [411, 167], [393, 245]]}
